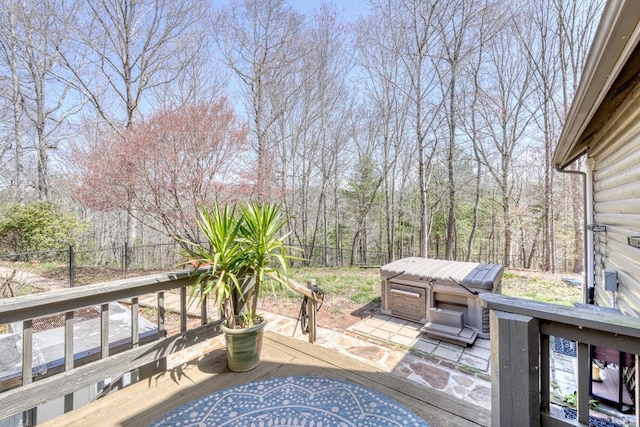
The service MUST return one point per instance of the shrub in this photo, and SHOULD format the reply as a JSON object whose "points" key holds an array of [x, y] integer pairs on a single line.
{"points": [[37, 226]]}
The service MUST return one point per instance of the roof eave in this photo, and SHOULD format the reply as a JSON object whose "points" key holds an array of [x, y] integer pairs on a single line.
{"points": [[615, 39]]}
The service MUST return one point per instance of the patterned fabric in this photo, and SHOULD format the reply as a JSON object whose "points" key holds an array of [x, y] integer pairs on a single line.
{"points": [[293, 401], [563, 346]]}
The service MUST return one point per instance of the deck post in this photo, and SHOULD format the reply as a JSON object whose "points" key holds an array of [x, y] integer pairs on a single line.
{"points": [[515, 363], [312, 307]]}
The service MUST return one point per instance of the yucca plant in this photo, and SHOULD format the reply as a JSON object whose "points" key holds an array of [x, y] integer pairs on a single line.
{"points": [[218, 261], [242, 249], [266, 254]]}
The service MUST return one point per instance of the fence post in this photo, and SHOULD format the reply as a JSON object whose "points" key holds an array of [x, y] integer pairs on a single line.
{"points": [[72, 267], [125, 259]]}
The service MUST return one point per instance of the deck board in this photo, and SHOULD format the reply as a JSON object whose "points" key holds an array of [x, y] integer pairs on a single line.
{"points": [[147, 400]]}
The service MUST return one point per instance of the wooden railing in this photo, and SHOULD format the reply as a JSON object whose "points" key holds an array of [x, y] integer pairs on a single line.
{"points": [[520, 355], [313, 299], [110, 361]]}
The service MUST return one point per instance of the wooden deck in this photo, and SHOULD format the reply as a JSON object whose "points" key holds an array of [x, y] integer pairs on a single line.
{"points": [[147, 400]]}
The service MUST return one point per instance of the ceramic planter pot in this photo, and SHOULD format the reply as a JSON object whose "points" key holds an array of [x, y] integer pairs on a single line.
{"points": [[243, 346]]}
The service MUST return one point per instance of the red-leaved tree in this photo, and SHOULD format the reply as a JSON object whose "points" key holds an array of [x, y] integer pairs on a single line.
{"points": [[166, 167]]}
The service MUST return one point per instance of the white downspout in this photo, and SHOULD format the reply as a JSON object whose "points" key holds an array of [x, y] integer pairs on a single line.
{"points": [[587, 185], [588, 214]]}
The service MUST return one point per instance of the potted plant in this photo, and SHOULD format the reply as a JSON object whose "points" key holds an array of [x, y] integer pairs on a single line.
{"points": [[243, 248]]}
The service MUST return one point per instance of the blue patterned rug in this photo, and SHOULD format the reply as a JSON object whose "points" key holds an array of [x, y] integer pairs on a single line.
{"points": [[572, 414], [563, 346], [293, 401]]}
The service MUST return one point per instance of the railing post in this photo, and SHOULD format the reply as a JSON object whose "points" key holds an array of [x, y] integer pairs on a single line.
{"points": [[104, 330], [584, 370], [312, 307], [203, 306], [68, 355], [515, 376], [183, 309]]}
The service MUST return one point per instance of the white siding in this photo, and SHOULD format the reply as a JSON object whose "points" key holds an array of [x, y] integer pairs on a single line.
{"points": [[617, 204]]}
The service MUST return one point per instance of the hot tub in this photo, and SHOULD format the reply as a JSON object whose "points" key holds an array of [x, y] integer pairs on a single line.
{"points": [[441, 294]]}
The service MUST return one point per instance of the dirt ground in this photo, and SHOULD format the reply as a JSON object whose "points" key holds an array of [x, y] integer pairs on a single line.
{"points": [[334, 313]]}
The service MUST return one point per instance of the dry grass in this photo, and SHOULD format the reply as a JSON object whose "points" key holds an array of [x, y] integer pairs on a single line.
{"points": [[541, 286], [363, 285], [348, 287]]}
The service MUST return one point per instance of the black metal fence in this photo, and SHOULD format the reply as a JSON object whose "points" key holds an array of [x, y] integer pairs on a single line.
{"points": [[74, 266]]}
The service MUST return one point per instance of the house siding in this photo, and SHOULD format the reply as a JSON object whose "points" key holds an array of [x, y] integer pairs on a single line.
{"points": [[616, 204]]}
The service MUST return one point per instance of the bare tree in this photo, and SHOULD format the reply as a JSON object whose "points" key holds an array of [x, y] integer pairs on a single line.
{"points": [[552, 43], [362, 191], [488, 26], [457, 23], [507, 112], [258, 42], [46, 97], [381, 63], [576, 25], [326, 100], [411, 23], [124, 49], [29, 39], [10, 45]]}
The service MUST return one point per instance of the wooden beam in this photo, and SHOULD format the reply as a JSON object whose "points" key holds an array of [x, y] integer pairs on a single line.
{"points": [[311, 319], [545, 373], [37, 393], [104, 330], [515, 353], [27, 352], [301, 289], [68, 355], [62, 300], [608, 322], [203, 306], [592, 336], [183, 309], [584, 377], [161, 315], [135, 329]]}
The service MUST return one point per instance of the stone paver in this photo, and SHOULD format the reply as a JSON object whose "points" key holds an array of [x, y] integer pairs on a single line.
{"points": [[447, 353], [424, 346], [363, 329], [404, 341], [377, 348], [482, 343], [459, 371], [391, 327], [478, 352], [474, 362], [409, 332], [381, 334]]}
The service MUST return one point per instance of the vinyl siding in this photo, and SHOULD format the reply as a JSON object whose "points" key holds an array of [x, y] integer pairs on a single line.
{"points": [[616, 184]]}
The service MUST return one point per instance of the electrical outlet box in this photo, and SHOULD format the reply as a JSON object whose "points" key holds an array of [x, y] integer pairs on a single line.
{"points": [[634, 241], [610, 280]]}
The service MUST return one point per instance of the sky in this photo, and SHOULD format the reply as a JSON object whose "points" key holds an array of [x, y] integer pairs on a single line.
{"points": [[350, 9]]}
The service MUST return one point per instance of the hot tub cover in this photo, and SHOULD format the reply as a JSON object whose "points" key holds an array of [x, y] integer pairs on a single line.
{"points": [[470, 274]]}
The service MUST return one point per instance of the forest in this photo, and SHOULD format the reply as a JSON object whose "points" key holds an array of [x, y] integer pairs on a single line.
{"points": [[417, 128]]}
